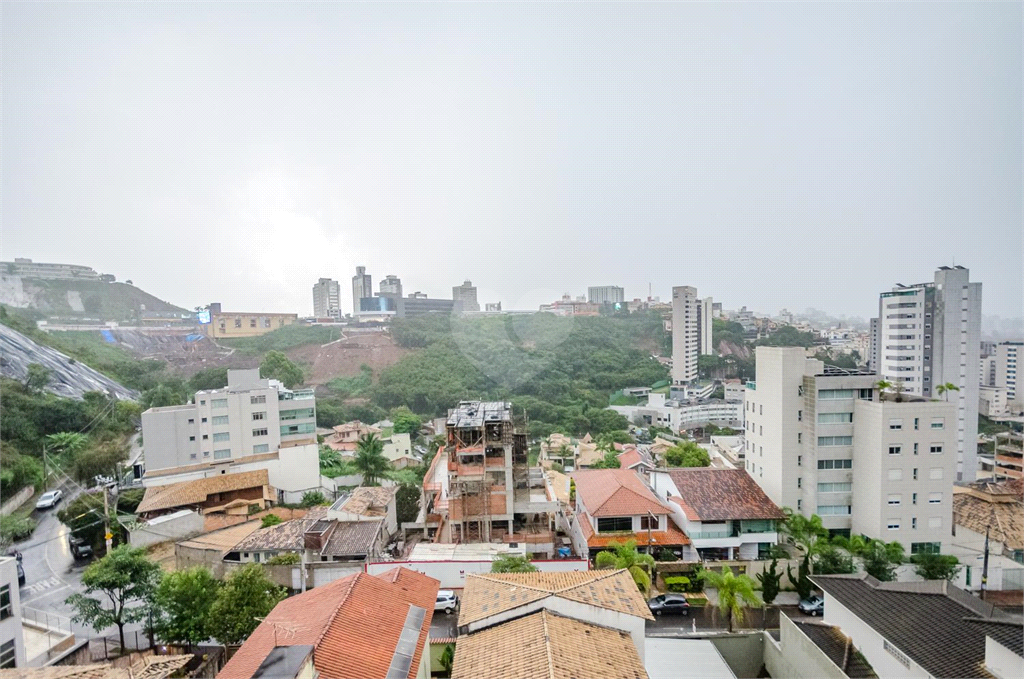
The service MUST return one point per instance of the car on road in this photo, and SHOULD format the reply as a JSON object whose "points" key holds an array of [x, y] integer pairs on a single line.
{"points": [[669, 604], [80, 549], [21, 574], [813, 606], [49, 499], [446, 601]]}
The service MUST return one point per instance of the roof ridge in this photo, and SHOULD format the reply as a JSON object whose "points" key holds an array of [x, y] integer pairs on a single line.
{"points": [[602, 576], [616, 492], [547, 643], [485, 576]]}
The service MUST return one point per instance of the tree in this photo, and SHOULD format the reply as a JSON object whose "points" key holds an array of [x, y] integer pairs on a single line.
{"points": [[246, 597], [37, 376], [802, 582], [803, 532], [184, 599], [313, 498], [208, 378], [447, 659], [687, 454], [609, 461], [830, 560], [512, 563], [285, 559], [880, 559], [735, 592], [84, 516], [270, 520], [407, 503], [406, 421], [370, 459], [612, 437], [944, 389], [770, 580], [67, 442], [626, 556], [276, 365], [883, 386], [936, 566], [123, 577], [103, 459]]}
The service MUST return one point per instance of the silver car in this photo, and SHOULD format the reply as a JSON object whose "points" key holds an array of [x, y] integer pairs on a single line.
{"points": [[49, 499]]}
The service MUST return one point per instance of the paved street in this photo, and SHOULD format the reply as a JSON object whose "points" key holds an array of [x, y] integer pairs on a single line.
{"points": [[710, 618]]}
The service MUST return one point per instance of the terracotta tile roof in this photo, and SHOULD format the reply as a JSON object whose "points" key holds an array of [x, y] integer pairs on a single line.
{"points": [[616, 492], [1000, 512], [587, 454], [196, 492], [224, 539], [673, 536], [723, 494], [487, 594], [632, 457], [150, 667], [550, 646], [370, 500], [353, 623], [283, 536], [352, 538]]}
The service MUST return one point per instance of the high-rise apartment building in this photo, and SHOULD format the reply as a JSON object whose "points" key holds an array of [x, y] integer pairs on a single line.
{"points": [[705, 343], [606, 294], [466, 295], [685, 338], [1005, 372], [822, 440], [362, 288], [929, 335], [391, 285], [327, 299]]}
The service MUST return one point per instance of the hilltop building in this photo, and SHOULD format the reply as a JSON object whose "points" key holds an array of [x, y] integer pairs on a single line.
{"points": [[226, 325], [327, 299], [26, 268], [607, 294], [362, 288], [465, 294]]}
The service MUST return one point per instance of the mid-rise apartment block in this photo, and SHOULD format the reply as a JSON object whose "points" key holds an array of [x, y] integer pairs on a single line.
{"points": [[685, 336], [823, 440], [606, 294], [705, 337], [251, 424], [362, 288], [929, 335], [327, 299], [465, 294], [1009, 460]]}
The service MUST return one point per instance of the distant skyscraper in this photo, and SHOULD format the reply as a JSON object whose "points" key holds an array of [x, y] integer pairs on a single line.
{"points": [[928, 335], [685, 340], [392, 285], [327, 299], [606, 294], [705, 340], [362, 288], [466, 293]]}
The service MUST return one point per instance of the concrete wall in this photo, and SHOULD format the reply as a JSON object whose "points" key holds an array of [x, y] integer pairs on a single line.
{"points": [[795, 655], [1001, 661], [17, 500], [174, 526], [744, 653], [10, 627]]}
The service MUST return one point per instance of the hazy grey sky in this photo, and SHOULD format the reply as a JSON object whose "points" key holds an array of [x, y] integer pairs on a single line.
{"points": [[776, 154]]}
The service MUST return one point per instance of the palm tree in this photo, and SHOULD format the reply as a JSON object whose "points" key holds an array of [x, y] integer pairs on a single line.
{"points": [[944, 389], [626, 556], [735, 592], [883, 386], [370, 459], [68, 442], [563, 453]]}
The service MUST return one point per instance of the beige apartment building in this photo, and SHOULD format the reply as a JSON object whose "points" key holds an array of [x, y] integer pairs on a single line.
{"points": [[226, 325]]}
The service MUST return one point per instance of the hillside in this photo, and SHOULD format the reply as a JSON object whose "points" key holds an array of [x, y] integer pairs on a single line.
{"points": [[80, 298]]}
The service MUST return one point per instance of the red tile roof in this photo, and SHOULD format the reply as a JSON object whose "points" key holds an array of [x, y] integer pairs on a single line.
{"points": [[353, 623], [616, 492], [710, 494]]}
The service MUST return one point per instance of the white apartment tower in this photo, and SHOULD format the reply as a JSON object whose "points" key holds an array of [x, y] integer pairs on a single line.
{"points": [[929, 335], [606, 294], [1005, 373], [821, 440], [327, 299], [705, 313], [362, 288], [685, 338], [466, 294]]}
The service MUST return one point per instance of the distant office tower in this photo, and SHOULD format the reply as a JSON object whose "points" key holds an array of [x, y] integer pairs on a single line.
{"points": [[928, 335], [685, 341], [327, 299], [606, 294], [392, 285], [705, 313], [362, 288], [466, 293]]}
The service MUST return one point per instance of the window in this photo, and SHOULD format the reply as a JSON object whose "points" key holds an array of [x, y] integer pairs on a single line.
{"points": [[935, 522], [192, 456], [6, 607], [895, 500], [934, 498], [7, 656], [845, 487], [835, 464], [252, 322], [895, 424], [262, 415], [261, 448], [835, 418], [915, 473], [238, 322], [799, 460], [834, 394], [191, 438], [266, 322], [206, 437], [253, 400], [835, 441], [895, 450], [913, 523], [913, 499], [203, 402], [799, 504], [799, 416], [895, 474], [915, 447], [799, 437], [222, 436], [760, 430], [256, 557], [292, 429], [935, 473], [935, 449], [220, 419], [760, 410], [259, 432], [222, 454], [799, 482], [219, 403], [833, 510], [615, 524], [939, 423], [204, 420], [647, 522], [917, 421], [191, 421], [925, 547], [893, 524]]}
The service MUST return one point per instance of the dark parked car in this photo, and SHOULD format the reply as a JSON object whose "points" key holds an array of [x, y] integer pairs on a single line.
{"points": [[669, 604], [813, 606], [21, 574], [80, 549]]}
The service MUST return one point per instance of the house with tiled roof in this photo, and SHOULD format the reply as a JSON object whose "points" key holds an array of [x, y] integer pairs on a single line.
{"points": [[359, 627], [593, 619], [612, 506], [637, 461], [345, 436], [227, 493], [991, 508], [724, 512], [811, 649], [368, 503], [922, 629], [317, 538]]}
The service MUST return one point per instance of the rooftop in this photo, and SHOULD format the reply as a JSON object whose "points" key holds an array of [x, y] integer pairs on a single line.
{"points": [[474, 413], [224, 539], [196, 492], [352, 538], [834, 644], [149, 667], [546, 645], [283, 536], [708, 494], [366, 500], [616, 492], [927, 621], [994, 508]]}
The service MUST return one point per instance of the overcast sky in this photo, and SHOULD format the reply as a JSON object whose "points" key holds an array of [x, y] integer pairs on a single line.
{"points": [[773, 155]]}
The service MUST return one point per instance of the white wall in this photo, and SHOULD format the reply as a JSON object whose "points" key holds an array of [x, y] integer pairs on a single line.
{"points": [[10, 628], [452, 574], [168, 527], [1001, 661], [869, 642]]}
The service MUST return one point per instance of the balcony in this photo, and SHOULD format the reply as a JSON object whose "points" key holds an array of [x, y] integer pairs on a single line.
{"points": [[47, 636]]}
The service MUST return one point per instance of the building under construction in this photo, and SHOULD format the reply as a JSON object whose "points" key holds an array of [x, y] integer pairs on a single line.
{"points": [[480, 487]]}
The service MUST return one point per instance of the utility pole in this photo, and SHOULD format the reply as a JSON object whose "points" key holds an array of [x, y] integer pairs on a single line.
{"points": [[46, 473], [984, 567], [106, 520]]}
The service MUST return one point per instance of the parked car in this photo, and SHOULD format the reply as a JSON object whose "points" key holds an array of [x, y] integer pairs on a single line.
{"points": [[49, 499], [80, 549], [21, 574], [669, 604], [446, 601], [813, 606]]}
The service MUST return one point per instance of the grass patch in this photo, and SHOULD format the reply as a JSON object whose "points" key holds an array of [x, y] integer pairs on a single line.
{"points": [[288, 337], [17, 527], [348, 387]]}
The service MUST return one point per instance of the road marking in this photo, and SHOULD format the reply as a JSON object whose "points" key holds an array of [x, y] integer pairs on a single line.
{"points": [[43, 596], [44, 585]]}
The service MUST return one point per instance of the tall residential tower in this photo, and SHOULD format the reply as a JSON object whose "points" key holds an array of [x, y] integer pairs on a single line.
{"points": [[362, 288], [327, 299], [685, 337]]}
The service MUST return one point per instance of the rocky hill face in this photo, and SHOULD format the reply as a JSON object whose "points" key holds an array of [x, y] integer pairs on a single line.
{"points": [[81, 298], [69, 377]]}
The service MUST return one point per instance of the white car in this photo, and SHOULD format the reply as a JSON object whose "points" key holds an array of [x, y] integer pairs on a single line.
{"points": [[49, 499], [446, 601]]}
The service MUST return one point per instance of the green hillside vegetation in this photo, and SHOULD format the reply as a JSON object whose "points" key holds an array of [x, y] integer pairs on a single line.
{"points": [[288, 337], [107, 301]]}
